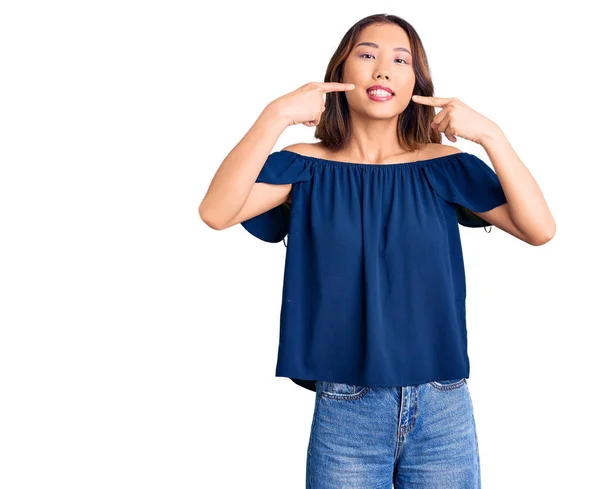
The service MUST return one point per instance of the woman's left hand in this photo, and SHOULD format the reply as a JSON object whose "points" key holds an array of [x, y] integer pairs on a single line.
{"points": [[458, 119]]}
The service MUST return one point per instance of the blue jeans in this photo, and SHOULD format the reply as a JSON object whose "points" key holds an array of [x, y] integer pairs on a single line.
{"points": [[412, 437]]}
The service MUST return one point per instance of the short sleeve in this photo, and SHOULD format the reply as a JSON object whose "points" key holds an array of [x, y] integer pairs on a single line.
{"points": [[281, 167], [471, 184]]}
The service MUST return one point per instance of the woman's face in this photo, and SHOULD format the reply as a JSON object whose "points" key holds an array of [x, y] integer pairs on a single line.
{"points": [[380, 62]]}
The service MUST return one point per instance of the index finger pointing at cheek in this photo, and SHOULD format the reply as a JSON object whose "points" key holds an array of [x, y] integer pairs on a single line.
{"points": [[335, 86], [435, 101]]}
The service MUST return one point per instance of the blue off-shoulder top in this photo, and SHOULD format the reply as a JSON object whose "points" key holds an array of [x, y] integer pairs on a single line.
{"points": [[374, 289]]}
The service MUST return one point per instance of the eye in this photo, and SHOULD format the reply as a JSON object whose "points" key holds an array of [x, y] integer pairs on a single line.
{"points": [[399, 59]]}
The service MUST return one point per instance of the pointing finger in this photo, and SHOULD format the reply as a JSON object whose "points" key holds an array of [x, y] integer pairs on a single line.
{"points": [[335, 86], [435, 101]]}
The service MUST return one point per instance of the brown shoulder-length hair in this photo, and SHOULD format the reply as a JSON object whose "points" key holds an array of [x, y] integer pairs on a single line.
{"points": [[414, 123]]}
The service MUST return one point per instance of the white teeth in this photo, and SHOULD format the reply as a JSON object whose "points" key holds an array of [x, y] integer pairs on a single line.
{"points": [[380, 93]]}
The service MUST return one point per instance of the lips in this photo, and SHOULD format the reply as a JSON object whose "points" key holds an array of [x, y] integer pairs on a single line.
{"points": [[380, 87]]}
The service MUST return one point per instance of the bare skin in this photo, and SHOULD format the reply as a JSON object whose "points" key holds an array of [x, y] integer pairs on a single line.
{"points": [[374, 124]]}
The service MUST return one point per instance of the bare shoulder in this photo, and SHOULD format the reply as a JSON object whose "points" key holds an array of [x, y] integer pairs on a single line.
{"points": [[318, 150], [436, 150], [307, 149]]}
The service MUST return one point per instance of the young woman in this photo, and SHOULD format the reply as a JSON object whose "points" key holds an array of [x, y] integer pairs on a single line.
{"points": [[373, 311]]}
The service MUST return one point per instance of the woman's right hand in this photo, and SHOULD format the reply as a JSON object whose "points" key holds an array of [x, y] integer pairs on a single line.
{"points": [[306, 104]]}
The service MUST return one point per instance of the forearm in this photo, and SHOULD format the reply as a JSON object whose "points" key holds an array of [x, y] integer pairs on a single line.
{"points": [[233, 180], [526, 204]]}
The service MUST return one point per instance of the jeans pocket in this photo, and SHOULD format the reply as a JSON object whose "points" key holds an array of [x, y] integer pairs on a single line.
{"points": [[341, 391], [446, 385]]}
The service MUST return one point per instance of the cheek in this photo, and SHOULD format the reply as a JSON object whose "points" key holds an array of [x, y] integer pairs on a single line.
{"points": [[355, 74], [406, 90]]}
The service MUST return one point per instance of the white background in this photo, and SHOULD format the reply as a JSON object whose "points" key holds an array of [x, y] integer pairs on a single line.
{"points": [[138, 345]]}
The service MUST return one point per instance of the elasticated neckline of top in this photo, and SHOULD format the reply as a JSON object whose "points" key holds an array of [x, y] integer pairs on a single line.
{"points": [[409, 164]]}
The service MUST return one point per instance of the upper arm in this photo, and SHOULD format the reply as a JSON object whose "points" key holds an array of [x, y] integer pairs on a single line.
{"points": [[266, 196], [499, 217], [262, 197]]}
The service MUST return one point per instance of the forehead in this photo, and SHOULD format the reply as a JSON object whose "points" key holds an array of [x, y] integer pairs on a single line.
{"points": [[386, 35]]}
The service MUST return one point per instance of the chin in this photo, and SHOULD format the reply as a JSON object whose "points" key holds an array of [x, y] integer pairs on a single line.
{"points": [[388, 113]]}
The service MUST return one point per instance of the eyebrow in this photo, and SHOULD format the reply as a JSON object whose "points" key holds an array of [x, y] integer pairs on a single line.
{"points": [[373, 45]]}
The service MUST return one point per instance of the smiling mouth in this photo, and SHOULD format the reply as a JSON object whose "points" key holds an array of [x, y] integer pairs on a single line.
{"points": [[379, 95], [380, 91]]}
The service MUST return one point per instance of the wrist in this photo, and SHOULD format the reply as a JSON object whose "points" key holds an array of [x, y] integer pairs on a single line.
{"points": [[493, 135], [275, 111]]}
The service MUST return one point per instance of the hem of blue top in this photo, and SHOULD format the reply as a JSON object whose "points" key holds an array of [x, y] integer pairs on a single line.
{"points": [[311, 384]]}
